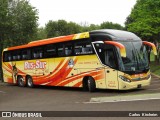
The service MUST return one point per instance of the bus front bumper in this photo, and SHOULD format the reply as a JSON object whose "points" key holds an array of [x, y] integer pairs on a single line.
{"points": [[134, 85]]}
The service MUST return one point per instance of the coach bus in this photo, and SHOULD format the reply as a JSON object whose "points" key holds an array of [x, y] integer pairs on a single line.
{"points": [[103, 59]]}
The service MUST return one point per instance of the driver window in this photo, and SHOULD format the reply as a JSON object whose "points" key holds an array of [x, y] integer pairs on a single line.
{"points": [[107, 55], [110, 58]]}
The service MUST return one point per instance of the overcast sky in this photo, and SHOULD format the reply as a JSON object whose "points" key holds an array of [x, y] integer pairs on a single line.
{"points": [[81, 11]]}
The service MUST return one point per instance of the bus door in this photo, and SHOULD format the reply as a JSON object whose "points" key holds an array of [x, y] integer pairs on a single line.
{"points": [[107, 56], [111, 72]]}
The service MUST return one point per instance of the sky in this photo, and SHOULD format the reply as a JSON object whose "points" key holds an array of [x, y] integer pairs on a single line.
{"points": [[83, 11]]}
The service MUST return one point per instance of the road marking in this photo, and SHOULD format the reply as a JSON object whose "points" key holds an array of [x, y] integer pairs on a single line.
{"points": [[122, 98], [122, 101]]}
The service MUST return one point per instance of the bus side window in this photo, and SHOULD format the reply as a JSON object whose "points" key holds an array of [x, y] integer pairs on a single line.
{"points": [[77, 49], [37, 53], [50, 51], [60, 50], [14, 55], [68, 49], [18, 55], [26, 54], [9, 58], [87, 49], [82, 48]]}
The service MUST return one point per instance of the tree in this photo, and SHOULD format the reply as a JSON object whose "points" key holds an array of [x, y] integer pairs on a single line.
{"points": [[51, 29], [18, 23], [4, 25], [41, 34], [110, 25], [144, 20], [61, 27], [24, 21]]}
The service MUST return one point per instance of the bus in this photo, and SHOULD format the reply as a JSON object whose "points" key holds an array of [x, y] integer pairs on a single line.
{"points": [[103, 59]]}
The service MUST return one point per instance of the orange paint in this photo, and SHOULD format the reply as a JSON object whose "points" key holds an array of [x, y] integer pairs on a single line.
{"points": [[44, 42], [151, 45], [119, 45]]}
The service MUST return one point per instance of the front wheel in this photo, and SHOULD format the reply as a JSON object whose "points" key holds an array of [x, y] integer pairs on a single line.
{"points": [[30, 82], [91, 84]]}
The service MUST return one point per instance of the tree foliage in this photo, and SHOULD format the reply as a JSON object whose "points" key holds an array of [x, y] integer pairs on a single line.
{"points": [[18, 23], [144, 19], [110, 25], [62, 27]]}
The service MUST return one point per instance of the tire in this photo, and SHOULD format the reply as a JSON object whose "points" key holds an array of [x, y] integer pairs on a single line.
{"points": [[21, 81], [30, 82], [85, 86], [91, 84]]}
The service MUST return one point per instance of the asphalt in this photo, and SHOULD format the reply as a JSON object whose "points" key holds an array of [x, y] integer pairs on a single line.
{"points": [[42, 98]]}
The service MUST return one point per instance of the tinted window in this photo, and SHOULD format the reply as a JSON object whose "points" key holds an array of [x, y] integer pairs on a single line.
{"points": [[50, 51], [61, 50], [26, 54], [37, 52], [83, 48], [7, 56], [68, 49]]}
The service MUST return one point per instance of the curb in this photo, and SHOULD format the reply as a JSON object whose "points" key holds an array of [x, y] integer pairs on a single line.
{"points": [[123, 98], [155, 75]]}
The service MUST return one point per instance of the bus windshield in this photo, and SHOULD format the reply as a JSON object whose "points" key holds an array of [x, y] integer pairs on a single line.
{"points": [[136, 60]]}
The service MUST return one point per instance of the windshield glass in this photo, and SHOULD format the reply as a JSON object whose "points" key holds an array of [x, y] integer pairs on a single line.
{"points": [[136, 59]]}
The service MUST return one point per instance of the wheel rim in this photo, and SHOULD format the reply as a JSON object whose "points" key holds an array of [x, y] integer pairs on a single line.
{"points": [[30, 82], [21, 82], [89, 84]]}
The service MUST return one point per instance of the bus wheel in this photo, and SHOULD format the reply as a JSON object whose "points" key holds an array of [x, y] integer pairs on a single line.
{"points": [[30, 82], [21, 81], [91, 84]]}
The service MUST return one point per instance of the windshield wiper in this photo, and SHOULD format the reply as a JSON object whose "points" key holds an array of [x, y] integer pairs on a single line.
{"points": [[146, 68], [135, 59]]}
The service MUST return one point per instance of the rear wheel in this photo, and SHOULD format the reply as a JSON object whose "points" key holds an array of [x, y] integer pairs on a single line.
{"points": [[30, 82], [91, 84], [21, 81]]}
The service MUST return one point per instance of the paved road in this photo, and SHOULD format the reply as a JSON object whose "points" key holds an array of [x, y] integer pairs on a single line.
{"points": [[14, 98]]}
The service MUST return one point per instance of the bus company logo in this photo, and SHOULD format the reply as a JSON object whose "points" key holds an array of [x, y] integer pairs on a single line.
{"points": [[71, 63], [35, 65]]}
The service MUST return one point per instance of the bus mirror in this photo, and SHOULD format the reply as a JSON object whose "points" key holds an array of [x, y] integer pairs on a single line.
{"points": [[151, 45], [119, 45]]}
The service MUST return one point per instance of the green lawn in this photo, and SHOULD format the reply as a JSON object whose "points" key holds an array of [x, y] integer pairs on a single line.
{"points": [[155, 68]]}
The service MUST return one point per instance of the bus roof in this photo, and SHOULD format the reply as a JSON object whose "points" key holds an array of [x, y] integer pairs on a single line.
{"points": [[114, 35], [51, 40]]}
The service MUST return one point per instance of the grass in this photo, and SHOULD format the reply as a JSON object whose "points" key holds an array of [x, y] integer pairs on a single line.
{"points": [[154, 67]]}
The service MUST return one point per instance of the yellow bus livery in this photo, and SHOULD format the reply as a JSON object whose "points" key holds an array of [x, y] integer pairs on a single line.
{"points": [[103, 59]]}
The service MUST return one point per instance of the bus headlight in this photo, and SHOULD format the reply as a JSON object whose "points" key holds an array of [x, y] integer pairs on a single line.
{"points": [[124, 78]]}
